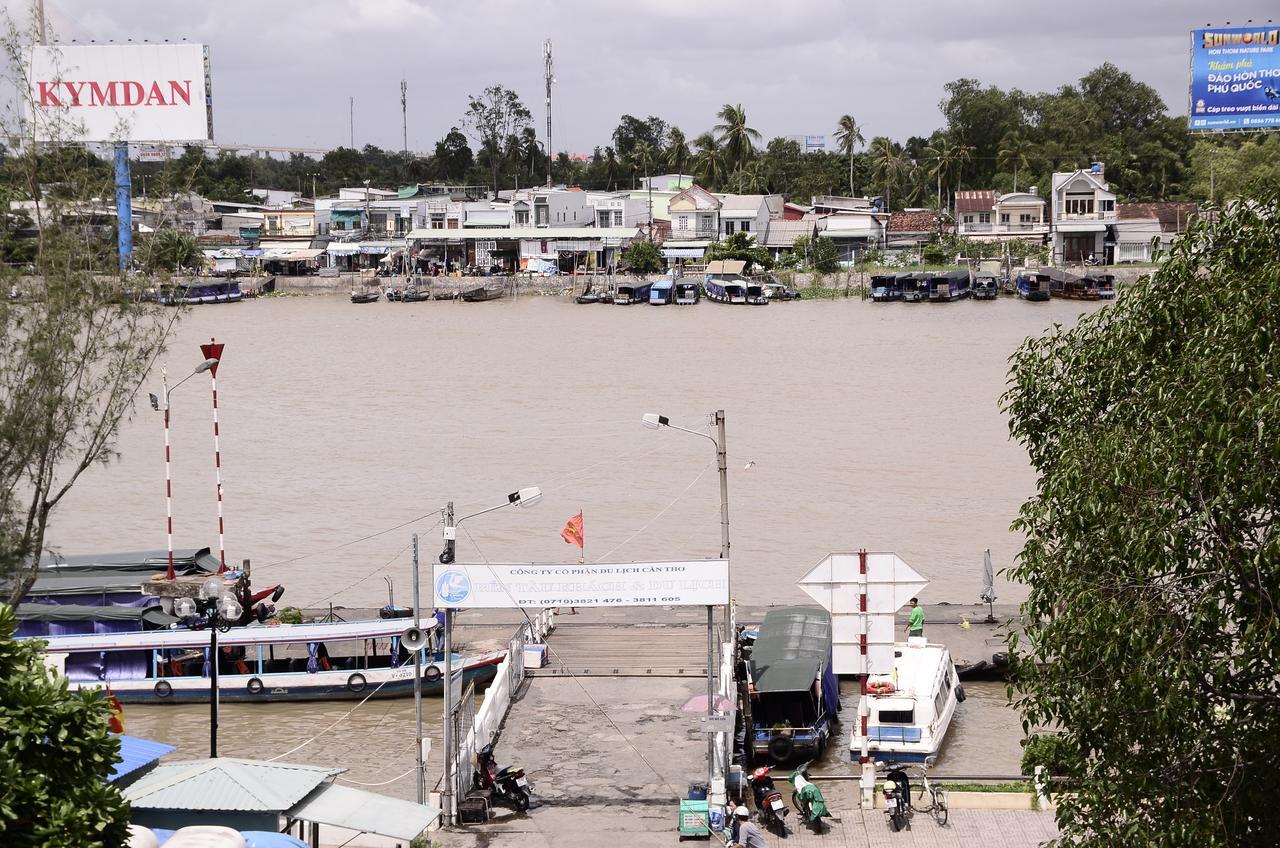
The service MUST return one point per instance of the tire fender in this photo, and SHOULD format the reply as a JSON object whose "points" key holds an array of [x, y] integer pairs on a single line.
{"points": [[356, 682], [255, 686]]}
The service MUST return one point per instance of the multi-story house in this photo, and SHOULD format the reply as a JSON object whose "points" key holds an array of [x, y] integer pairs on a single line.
{"points": [[1084, 215], [987, 216], [695, 215]]}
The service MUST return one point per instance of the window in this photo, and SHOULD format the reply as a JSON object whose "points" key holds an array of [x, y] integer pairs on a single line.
{"points": [[682, 222], [728, 228], [1079, 205], [1027, 218], [604, 219], [617, 217], [1106, 206], [1004, 217], [968, 219], [745, 227], [897, 716], [984, 217], [940, 699], [521, 218]]}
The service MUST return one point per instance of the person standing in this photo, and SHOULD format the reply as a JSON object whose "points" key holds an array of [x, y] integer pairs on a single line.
{"points": [[915, 619]]}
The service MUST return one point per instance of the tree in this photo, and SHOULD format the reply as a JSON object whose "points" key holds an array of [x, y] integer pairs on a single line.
{"points": [[170, 250], [493, 116], [947, 157], [453, 156], [848, 136], [817, 254], [741, 246], [1152, 637], [709, 160], [643, 257], [736, 138], [1013, 153], [676, 153], [55, 755], [642, 156], [887, 165], [632, 131]]}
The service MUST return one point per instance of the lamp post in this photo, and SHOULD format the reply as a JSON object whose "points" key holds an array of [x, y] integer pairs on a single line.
{"points": [[654, 421], [220, 610], [523, 498], [168, 480]]}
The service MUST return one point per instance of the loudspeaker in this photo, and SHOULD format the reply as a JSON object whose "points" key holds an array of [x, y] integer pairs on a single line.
{"points": [[412, 638]]}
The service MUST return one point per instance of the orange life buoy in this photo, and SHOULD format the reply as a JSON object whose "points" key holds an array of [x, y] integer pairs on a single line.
{"points": [[881, 687]]}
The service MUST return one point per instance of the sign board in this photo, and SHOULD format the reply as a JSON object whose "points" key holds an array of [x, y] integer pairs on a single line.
{"points": [[1235, 78], [716, 723], [600, 584], [838, 584], [121, 92]]}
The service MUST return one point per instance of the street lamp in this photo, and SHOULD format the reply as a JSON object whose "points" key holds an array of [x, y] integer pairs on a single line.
{"points": [[168, 483], [525, 497], [220, 610], [654, 421]]}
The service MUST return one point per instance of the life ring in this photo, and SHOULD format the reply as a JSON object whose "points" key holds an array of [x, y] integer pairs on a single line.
{"points": [[254, 686], [163, 689], [781, 747], [356, 682], [881, 687], [432, 673]]}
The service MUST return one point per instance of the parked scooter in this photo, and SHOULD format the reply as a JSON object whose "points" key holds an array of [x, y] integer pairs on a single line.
{"points": [[897, 799], [808, 800], [506, 784], [773, 812]]}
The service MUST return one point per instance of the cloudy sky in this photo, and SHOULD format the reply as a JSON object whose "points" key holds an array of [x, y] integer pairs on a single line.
{"points": [[283, 70]]}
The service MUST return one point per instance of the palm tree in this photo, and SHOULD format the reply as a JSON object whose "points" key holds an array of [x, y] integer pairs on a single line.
{"points": [[947, 158], [529, 147], [642, 156], [710, 160], [611, 166], [751, 179], [736, 137], [848, 136], [1013, 151], [676, 154], [887, 165]]}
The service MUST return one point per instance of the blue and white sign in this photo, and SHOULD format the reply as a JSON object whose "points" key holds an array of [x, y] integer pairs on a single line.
{"points": [[1235, 79], [594, 584]]}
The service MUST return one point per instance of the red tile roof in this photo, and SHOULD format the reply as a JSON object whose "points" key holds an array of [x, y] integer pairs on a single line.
{"points": [[913, 222]]}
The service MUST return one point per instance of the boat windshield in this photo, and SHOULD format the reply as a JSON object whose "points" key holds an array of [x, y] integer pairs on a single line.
{"points": [[790, 709], [898, 715]]}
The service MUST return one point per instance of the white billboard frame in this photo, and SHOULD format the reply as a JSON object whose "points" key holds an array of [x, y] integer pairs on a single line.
{"points": [[565, 584], [138, 93]]}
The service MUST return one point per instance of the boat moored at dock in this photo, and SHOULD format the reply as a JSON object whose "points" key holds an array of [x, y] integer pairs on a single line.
{"points": [[633, 292], [886, 287], [985, 287], [1105, 284], [795, 697], [1033, 286], [910, 709], [948, 286], [662, 292], [757, 293], [1064, 284], [915, 287], [688, 292]]}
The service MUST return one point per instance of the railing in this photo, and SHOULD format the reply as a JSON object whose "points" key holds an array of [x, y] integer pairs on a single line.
{"points": [[696, 233], [1086, 216], [1004, 228]]}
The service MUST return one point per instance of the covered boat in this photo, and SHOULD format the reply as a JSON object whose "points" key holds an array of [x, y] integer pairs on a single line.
{"points": [[1064, 284], [688, 292], [886, 287], [795, 697], [985, 287], [915, 287], [1105, 284], [1033, 285], [948, 286], [910, 709], [662, 292], [632, 292]]}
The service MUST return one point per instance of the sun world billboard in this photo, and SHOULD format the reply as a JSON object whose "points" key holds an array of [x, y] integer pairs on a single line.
{"points": [[1235, 79], [121, 92]]}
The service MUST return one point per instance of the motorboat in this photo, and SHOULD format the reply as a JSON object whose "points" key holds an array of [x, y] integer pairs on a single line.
{"points": [[488, 291], [634, 292], [688, 292], [339, 660], [779, 291], [662, 292], [948, 286], [985, 287], [1064, 284], [757, 293], [915, 287], [886, 287], [1105, 284], [1033, 286], [795, 696], [910, 708], [366, 296], [726, 289]]}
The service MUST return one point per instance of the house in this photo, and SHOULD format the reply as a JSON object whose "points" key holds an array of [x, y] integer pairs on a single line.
{"points": [[834, 204], [618, 209], [289, 223], [855, 231], [695, 215], [746, 213], [987, 216], [911, 228], [780, 236], [667, 182], [1141, 226], [1083, 215]]}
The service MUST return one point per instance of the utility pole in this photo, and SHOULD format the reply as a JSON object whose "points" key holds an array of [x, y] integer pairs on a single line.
{"points": [[447, 799], [417, 681], [404, 114], [351, 110], [550, 78], [722, 463], [37, 20]]}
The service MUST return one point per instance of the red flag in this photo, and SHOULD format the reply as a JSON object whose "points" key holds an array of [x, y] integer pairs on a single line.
{"points": [[116, 723], [573, 533]]}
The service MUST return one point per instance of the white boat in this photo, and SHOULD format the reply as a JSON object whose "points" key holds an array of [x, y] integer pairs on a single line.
{"points": [[170, 666], [910, 709]]}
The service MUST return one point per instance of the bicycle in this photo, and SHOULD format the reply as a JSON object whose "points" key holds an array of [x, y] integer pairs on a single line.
{"points": [[937, 799]]}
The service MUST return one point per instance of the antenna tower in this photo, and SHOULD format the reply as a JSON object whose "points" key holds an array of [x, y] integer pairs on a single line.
{"points": [[404, 113], [550, 76]]}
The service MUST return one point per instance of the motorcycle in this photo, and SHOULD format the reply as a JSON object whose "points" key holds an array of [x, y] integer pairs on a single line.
{"points": [[773, 812], [506, 784], [897, 799], [808, 800]]}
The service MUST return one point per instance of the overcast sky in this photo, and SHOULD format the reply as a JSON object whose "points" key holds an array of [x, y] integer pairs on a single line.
{"points": [[283, 69]]}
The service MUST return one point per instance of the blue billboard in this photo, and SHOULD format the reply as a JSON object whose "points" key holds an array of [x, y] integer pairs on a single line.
{"points": [[1235, 79]]}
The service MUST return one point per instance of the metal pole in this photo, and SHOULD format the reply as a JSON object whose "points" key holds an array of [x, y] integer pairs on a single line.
{"points": [[449, 753], [722, 463], [417, 683], [168, 479], [124, 206], [213, 682], [217, 463], [711, 669]]}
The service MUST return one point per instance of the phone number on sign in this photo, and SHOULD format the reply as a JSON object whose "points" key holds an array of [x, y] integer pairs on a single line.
{"points": [[585, 602]]}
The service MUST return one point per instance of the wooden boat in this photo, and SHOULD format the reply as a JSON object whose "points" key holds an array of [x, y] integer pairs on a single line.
{"points": [[726, 289], [1033, 286], [335, 661], [365, 296], [203, 294], [910, 710], [795, 697], [985, 287], [662, 292], [413, 294], [1106, 285], [951, 285], [488, 291], [633, 292], [757, 293], [688, 293], [915, 287], [588, 296], [886, 287], [1064, 284]]}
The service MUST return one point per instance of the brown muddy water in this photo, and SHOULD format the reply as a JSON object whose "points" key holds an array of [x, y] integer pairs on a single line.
{"points": [[850, 424]]}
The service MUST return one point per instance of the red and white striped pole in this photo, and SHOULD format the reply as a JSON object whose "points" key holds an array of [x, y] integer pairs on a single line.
{"points": [[213, 351], [864, 704], [170, 574]]}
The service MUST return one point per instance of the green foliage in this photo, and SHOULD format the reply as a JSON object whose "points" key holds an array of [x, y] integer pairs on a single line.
{"points": [[1047, 751], [643, 257], [289, 615], [816, 254], [1239, 165], [170, 250], [1152, 638], [937, 253], [741, 246], [493, 117], [55, 755]]}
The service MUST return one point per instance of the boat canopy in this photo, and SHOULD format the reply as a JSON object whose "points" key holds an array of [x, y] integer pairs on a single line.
{"points": [[793, 651], [725, 266], [254, 634], [152, 615]]}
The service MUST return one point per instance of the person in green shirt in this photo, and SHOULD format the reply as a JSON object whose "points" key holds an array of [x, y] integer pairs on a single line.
{"points": [[915, 619]]}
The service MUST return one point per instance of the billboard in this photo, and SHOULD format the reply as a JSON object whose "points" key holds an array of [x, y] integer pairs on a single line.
{"points": [[121, 92], [1235, 79], [599, 584]]}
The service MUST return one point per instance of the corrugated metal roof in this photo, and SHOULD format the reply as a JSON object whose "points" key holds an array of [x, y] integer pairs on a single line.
{"points": [[356, 809], [785, 233], [136, 753], [226, 784], [975, 201]]}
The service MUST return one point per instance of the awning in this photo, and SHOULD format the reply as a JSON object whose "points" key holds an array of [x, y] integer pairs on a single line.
{"points": [[355, 809], [135, 754], [683, 252], [1079, 227], [348, 248], [308, 253]]}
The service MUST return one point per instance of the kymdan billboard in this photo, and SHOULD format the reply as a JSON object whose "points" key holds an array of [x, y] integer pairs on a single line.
{"points": [[121, 92], [1235, 79]]}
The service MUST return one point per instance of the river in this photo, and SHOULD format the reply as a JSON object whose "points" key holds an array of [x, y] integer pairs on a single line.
{"points": [[850, 425]]}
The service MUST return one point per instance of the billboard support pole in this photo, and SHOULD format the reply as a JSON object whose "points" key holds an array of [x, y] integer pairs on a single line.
{"points": [[124, 206]]}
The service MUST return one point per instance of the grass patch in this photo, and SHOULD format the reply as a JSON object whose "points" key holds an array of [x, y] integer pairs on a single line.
{"points": [[1024, 787]]}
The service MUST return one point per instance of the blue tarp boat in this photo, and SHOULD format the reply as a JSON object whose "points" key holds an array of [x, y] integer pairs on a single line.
{"points": [[795, 698]]}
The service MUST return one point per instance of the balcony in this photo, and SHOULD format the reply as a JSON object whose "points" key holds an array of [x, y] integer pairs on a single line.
{"points": [[707, 233], [1087, 216], [1032, 228]]}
